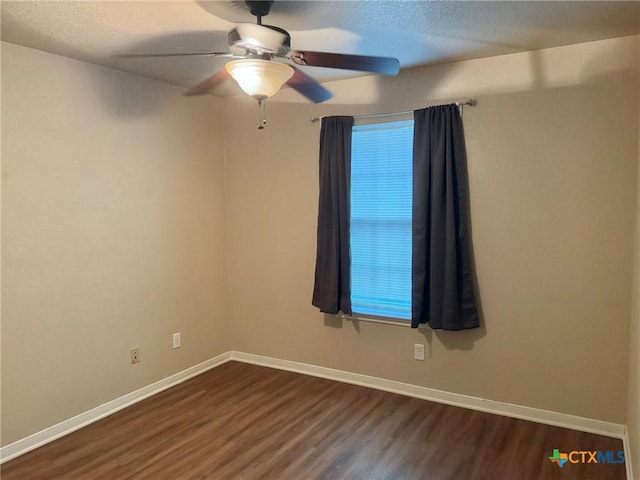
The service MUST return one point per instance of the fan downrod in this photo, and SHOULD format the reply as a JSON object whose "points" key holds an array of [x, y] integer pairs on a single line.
{"points": [[259, 8]]}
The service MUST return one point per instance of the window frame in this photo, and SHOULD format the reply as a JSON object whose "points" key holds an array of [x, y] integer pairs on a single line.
{"points": [[367, 317]]}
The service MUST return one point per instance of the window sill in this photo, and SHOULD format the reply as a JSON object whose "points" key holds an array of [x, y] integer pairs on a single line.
{"points": [[370, 318]]}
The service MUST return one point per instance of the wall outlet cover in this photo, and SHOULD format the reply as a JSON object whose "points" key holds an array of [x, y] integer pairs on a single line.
{"points": [[135, 355]]}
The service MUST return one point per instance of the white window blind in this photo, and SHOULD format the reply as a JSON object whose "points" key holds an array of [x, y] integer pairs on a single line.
{"points": [[381, 200]]}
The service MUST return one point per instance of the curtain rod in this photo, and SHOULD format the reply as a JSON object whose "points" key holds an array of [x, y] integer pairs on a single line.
{"points": [[472, 102]]}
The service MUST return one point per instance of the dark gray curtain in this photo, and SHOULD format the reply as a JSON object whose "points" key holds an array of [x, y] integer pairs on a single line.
{"points": [[332, 289], [442, 278]]}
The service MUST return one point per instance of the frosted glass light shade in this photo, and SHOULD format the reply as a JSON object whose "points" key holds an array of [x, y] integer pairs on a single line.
{"points": [[259, 78]]}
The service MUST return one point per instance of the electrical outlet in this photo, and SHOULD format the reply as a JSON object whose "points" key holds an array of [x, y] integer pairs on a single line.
{"points": [[135, 355], [176, 340], [418, 351]]}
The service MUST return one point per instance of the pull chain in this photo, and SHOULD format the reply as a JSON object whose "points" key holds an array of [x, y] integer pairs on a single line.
{"points": [[262, 114]]}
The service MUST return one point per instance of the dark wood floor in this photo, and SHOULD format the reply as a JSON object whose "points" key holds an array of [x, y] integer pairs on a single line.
{"points": [[241, 421]]}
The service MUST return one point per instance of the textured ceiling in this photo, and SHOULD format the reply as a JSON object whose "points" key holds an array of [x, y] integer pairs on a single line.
{"points": [[416, 32]]}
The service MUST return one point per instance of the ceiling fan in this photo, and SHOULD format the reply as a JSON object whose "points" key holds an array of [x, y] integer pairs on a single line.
{"points": [[256, 46]]}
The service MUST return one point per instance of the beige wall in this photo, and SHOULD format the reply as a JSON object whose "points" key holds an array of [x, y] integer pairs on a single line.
{"points": [[553, 153], [113, 235], [633, 403]]}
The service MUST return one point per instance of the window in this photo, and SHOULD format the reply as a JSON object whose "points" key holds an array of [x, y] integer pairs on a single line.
{"points": [[381, 219]]}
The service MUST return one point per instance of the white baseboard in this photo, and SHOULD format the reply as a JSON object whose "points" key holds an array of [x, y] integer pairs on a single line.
{"points": [[516, 411], [72, 424], [627, 454], [491, 406]]}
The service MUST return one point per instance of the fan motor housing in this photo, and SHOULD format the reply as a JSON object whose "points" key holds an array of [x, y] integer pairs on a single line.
{"points": [[261, 39]]}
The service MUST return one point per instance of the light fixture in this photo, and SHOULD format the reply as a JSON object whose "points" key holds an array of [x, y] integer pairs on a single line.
{"points": [[259, 79]]}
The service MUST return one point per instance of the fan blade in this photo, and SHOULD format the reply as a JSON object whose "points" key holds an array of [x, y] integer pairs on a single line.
{"points": [[201, 54], [308, 87], [383, 65], [207, 85]]}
